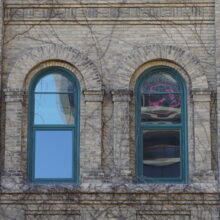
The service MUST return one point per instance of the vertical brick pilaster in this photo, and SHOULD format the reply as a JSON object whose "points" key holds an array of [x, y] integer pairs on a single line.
{"points": [[92, 158], [12, 175], [202, 136], [1, 75], [217, 63], [1, 37], [121, 131]]}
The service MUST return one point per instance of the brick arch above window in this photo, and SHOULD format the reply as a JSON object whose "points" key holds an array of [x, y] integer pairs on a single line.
{"points": [[54, 63], [33, 57], [155, 63], [148, 53]]}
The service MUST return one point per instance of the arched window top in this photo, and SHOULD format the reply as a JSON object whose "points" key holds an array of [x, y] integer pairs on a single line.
{"points": [[160, 81], [161, 91], [54, 126], [55, 94], [161, 126], [54, 79], [54, 82]]}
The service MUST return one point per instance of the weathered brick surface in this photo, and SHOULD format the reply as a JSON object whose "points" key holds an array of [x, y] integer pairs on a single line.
{"points": [[107, 45]]}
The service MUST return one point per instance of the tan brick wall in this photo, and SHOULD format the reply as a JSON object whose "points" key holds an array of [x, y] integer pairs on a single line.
{"points": [[108, 44]]}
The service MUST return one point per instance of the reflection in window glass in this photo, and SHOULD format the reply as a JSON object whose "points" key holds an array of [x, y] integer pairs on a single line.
{"points": [[161, 108], [54, 83], [53, 154], [54, 109], [161, 125], [160, 82], [161, 154]]}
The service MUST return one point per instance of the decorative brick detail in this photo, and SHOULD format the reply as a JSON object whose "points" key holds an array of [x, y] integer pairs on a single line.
{"points": [[35, 56], [163, 214], [146, 53], [52, 214], [109, 12]]}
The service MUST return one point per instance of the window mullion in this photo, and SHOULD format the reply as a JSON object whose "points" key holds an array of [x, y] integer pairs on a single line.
{"points": [[53, 92], [54, 127], [159, 93], [161, 126]]}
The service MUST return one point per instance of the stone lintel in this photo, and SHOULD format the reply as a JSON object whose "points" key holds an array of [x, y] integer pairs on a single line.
{"points": [[93, 95], [121, 95]]}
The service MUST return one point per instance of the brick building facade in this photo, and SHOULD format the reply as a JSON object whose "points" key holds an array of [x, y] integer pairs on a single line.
{"points": [[108, 46]]}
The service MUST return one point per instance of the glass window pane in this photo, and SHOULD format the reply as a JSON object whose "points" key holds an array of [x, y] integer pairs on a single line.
{"points": [[161, 154], [54, 109], [53, 154], [160, 82], [161, 108], [54, 83]]}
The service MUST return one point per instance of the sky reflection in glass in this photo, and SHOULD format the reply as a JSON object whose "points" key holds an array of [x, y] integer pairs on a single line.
{"points": [[53, 154], [54, 83], [54, 100], [54, 109]]}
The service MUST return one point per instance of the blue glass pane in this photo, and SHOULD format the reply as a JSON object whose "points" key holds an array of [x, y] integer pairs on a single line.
{"points": [[54, 109], [161, 154], [54, 83], [53, 154], [160, 82]]}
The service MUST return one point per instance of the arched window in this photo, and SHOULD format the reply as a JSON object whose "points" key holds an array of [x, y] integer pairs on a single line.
{"points": [[161, 125], [54, 127]]}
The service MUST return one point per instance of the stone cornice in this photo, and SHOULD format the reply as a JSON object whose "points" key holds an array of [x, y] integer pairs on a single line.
{"points": [[14, 95], [198, 91], [93, 95], [201, 95]]}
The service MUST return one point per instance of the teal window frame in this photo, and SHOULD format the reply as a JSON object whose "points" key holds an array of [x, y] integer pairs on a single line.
{"points": [[182, 127], [52, 127]]}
